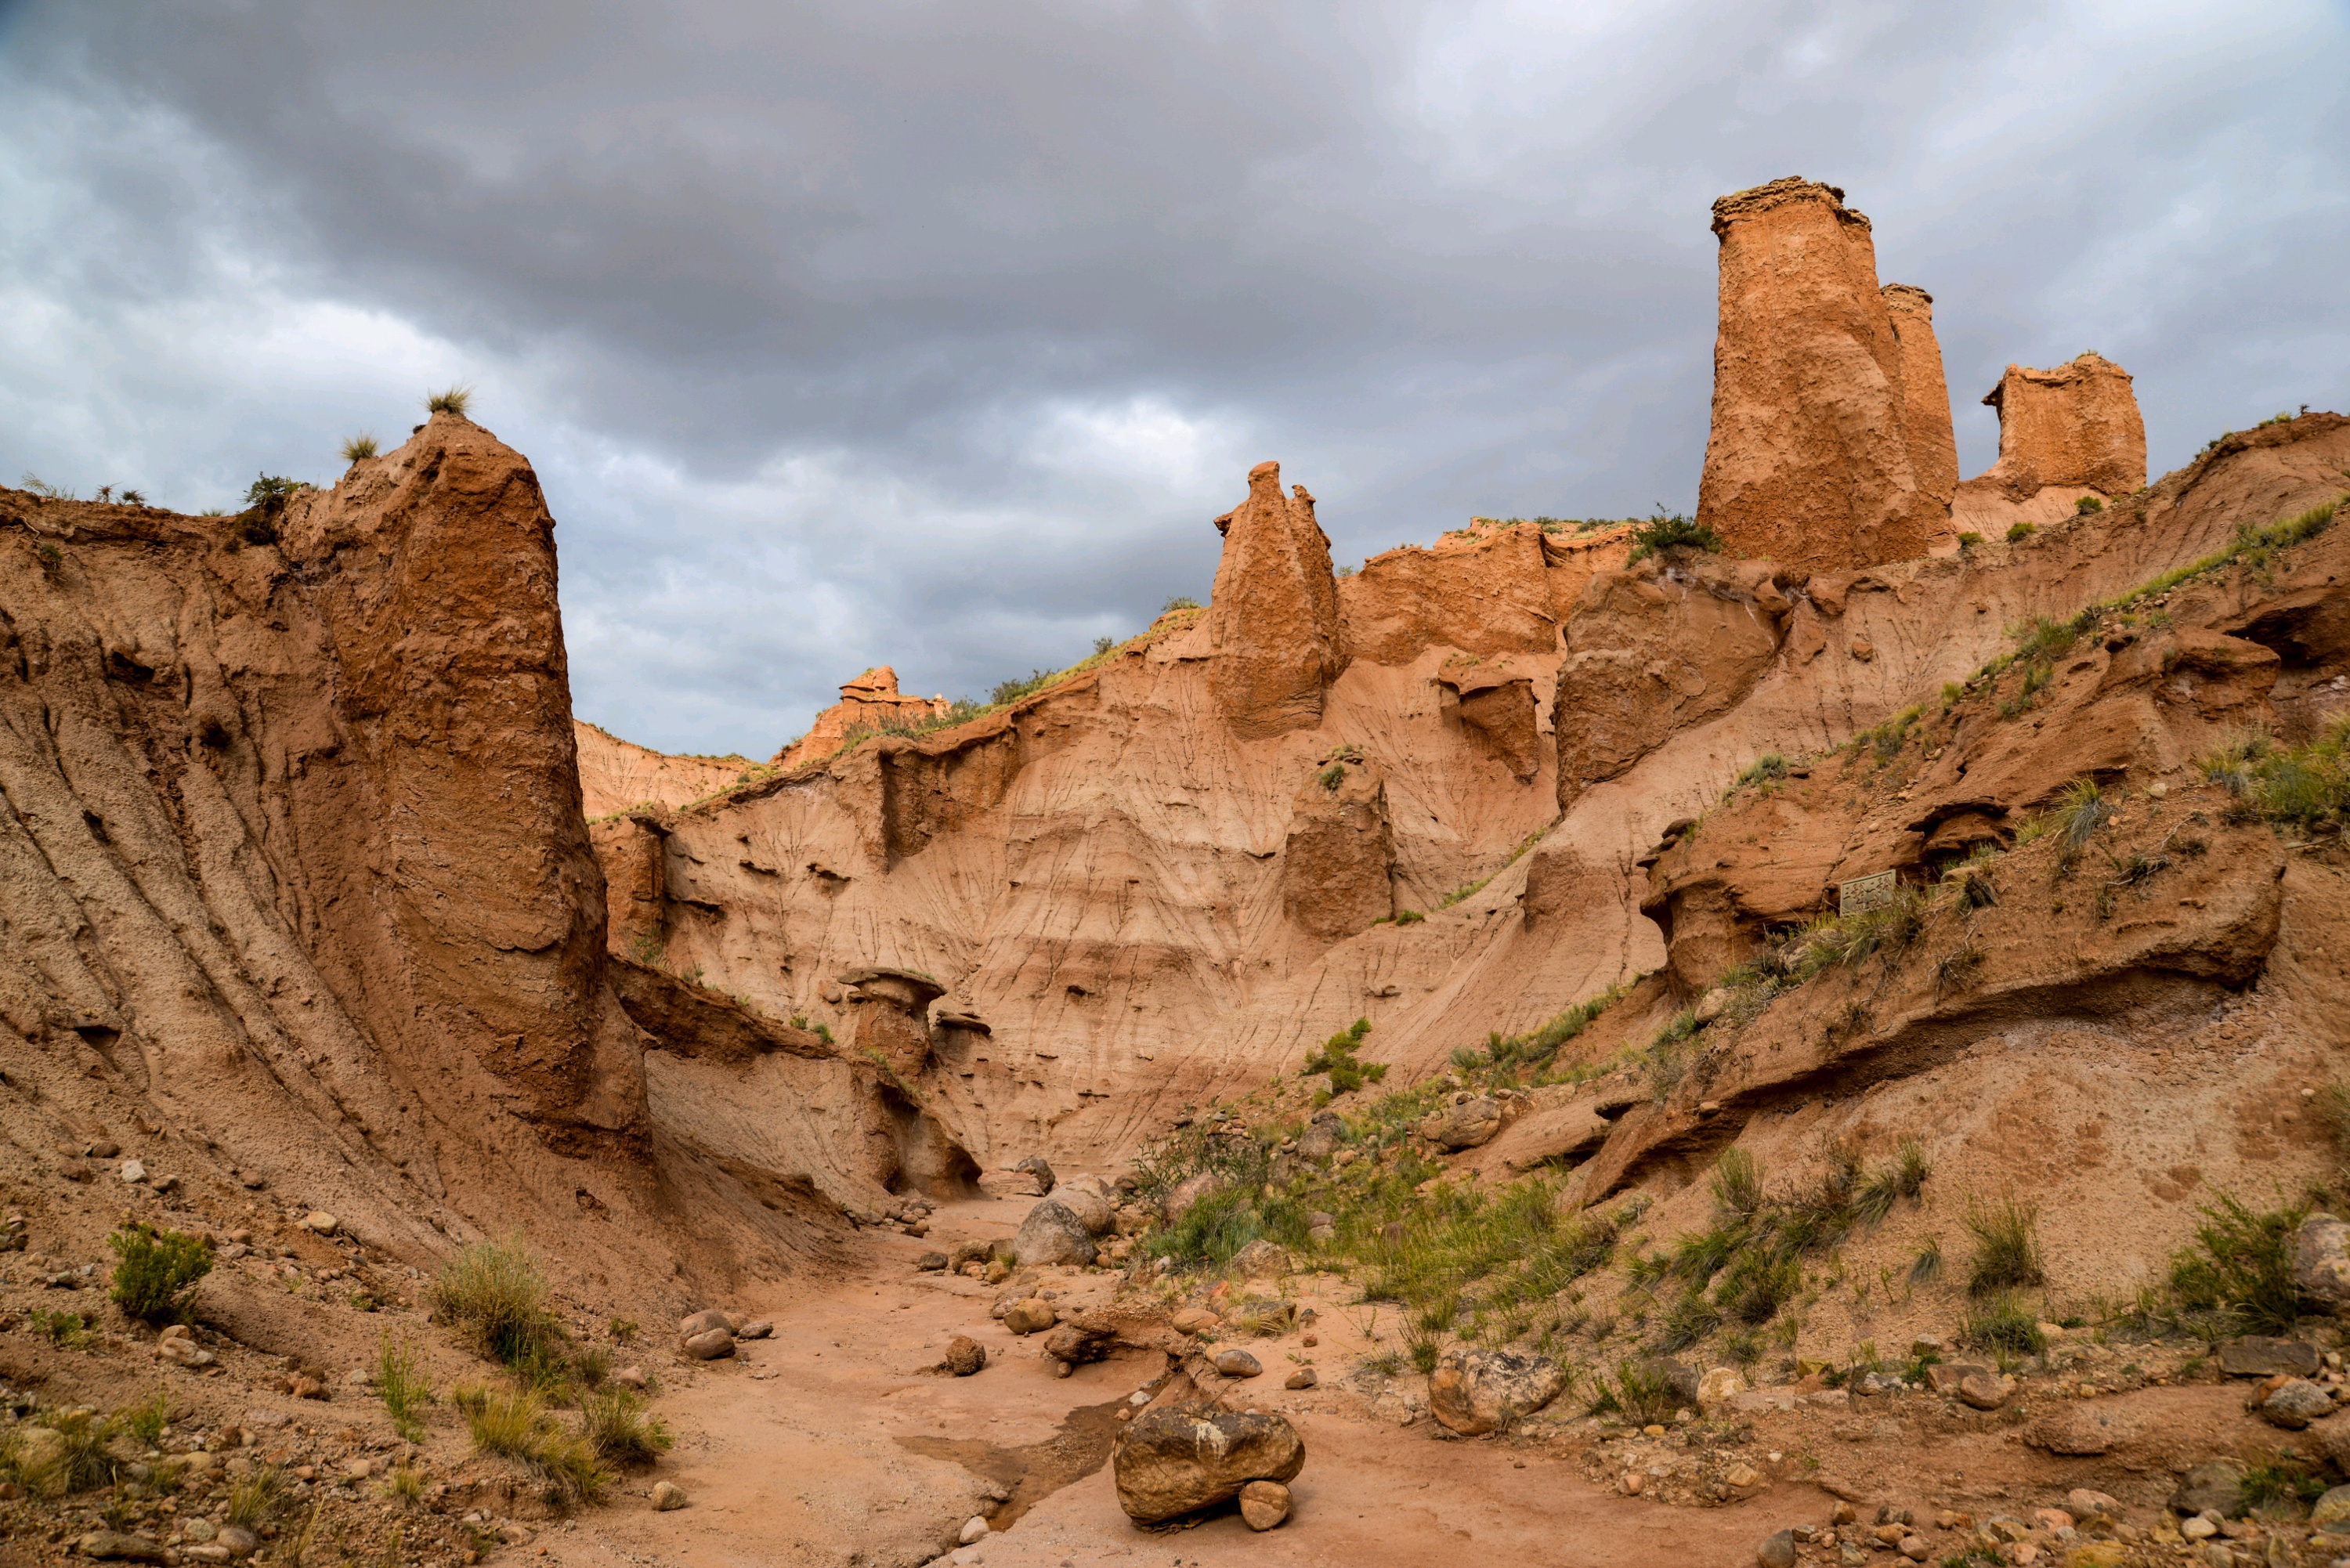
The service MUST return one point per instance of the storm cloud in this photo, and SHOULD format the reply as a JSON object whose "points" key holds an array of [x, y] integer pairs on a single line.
{"points": [[934, 335]]}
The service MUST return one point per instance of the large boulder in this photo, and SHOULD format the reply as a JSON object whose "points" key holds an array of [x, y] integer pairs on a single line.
{"points": [[1169, 1463], [1476, 1391], [1463, 1121], [1053, 1233], [1273, 616], [1089, 1337], [1809, 459], [1189, 1190], [2320, 1261], [1324, 1137], [1092, 1210]]}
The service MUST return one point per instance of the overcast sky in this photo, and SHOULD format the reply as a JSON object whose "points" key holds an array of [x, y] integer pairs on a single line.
{"points": [[934, 335]]}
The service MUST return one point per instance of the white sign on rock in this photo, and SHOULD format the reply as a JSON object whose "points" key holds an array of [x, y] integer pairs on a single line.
{"points": [[1862, 894]]}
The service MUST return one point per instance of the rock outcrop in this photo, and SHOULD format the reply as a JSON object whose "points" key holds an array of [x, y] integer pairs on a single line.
{"points": [[1272, 620], [1926, 406], [1338, 865], [618, 776], [1810, 458], [869, 705], [2076, 428]]}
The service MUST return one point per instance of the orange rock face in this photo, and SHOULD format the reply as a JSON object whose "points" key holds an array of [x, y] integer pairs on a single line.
{"points": [[1340, 854], [1925, 402], [1273, 621], [615, 774], [1809, 461], [2076, 426], [867, 705]]}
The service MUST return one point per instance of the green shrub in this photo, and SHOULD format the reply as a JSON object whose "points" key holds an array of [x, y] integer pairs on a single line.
{"points": [[1969, 540], [615, 1425], [2306, 787], [256, 1497], [1180, 602], [2007, 1246], [2001, 1323], [268, 487], [401, 1382], [156, 1272], [452, 401], [357, 448], [493, 1292], [1641, 1392], [1671, 533], [2242, 1264], [1337, 1058], [2021, 531], [1767, 768], [519, 1427], [2086, 505], [146, 1419]]}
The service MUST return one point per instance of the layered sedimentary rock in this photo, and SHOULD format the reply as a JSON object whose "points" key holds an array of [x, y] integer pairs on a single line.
{"points": [[868, 705], [1925, 405], [1338, 860], [1272, 620], [1809, 461], [616, 775], [2063, 433]]}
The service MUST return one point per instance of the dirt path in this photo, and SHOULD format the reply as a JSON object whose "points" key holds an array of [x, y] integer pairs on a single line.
{"points": [[831, 1444]]}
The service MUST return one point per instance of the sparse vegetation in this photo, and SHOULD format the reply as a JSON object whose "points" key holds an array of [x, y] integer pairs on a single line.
{"points": [[400, 1381], [2000, 1322], [615, 1425], [2305, 787], [1336, 1058], [1768, 768], [156, 1272], [519, 1427], [2241, 1264], [493, 1293], [1180, 602], [1969, 540], [359, 447], [2020, 532], [451, 401], [2007, 1246], [2086, 505], [256, 1497], [1675, 532]]}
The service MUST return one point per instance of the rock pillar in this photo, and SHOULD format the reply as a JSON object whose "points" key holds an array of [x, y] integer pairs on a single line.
{"points": [[893, 1018], [2074, 426], [1809, 459], [1338, 865], [1926, 403], [1273, 621]]}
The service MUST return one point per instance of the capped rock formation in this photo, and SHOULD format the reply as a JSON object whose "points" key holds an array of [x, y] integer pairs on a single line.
{"points": [[1272, 618], [1810, 460], [2063, 433], [867, 705], [1925, 404]]}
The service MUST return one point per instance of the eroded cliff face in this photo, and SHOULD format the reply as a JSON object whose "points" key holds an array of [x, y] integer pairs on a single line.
{"points": [[1132, 908], [1926, 422], [299, 890]]}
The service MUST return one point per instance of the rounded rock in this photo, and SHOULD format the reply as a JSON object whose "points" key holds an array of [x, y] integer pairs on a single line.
{"points": [[710, 1344], [1238, 1363], [668, 1495], [1263, 1504], [1304, 1377], [973, 1529], [1169, 1462], [1034, 1316], [965, 1355], [1777, 1550]]}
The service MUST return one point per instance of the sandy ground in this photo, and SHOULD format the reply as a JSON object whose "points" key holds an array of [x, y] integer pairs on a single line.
{"points": [[831, 1444]]}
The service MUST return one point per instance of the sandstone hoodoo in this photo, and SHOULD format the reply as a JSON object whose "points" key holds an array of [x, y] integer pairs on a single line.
{"points": [[2064, 435], [1810, 461], [1925, 405], [869, 705], [1272, 620]]}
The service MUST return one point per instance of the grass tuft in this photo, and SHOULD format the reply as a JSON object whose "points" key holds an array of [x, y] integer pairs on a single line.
{"points": [[2007, 1246], [156, 1272], [357, 448], [519, 1427], [401, 1382], [451, 401], [493, 1292], [613, 1424]]}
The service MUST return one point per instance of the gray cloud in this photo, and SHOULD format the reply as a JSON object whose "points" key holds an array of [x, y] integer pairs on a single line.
{"points": [[844, 334]]}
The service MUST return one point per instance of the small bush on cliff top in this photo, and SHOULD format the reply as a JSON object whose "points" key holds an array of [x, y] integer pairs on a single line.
{"points": [[156, 1272], [1666, 532], [2086, 504], [359, 447], [452, 401], [2020, 532]]}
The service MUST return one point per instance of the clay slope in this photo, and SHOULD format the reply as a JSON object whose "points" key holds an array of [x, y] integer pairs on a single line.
{"points": [[298, 893], [1137, 901], [615, 774]]}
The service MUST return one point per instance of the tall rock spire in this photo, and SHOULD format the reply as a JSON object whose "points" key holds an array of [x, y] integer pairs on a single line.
{"points": [[1926, 403], [1272, 620], [1809, 461]]}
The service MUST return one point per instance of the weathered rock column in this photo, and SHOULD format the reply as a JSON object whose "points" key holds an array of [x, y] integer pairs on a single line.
{"points": [[893, 1015], [1337, 866], [2077, 424], [1925, 404], [632, 850], [1809, 459], [1272, 620]]}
